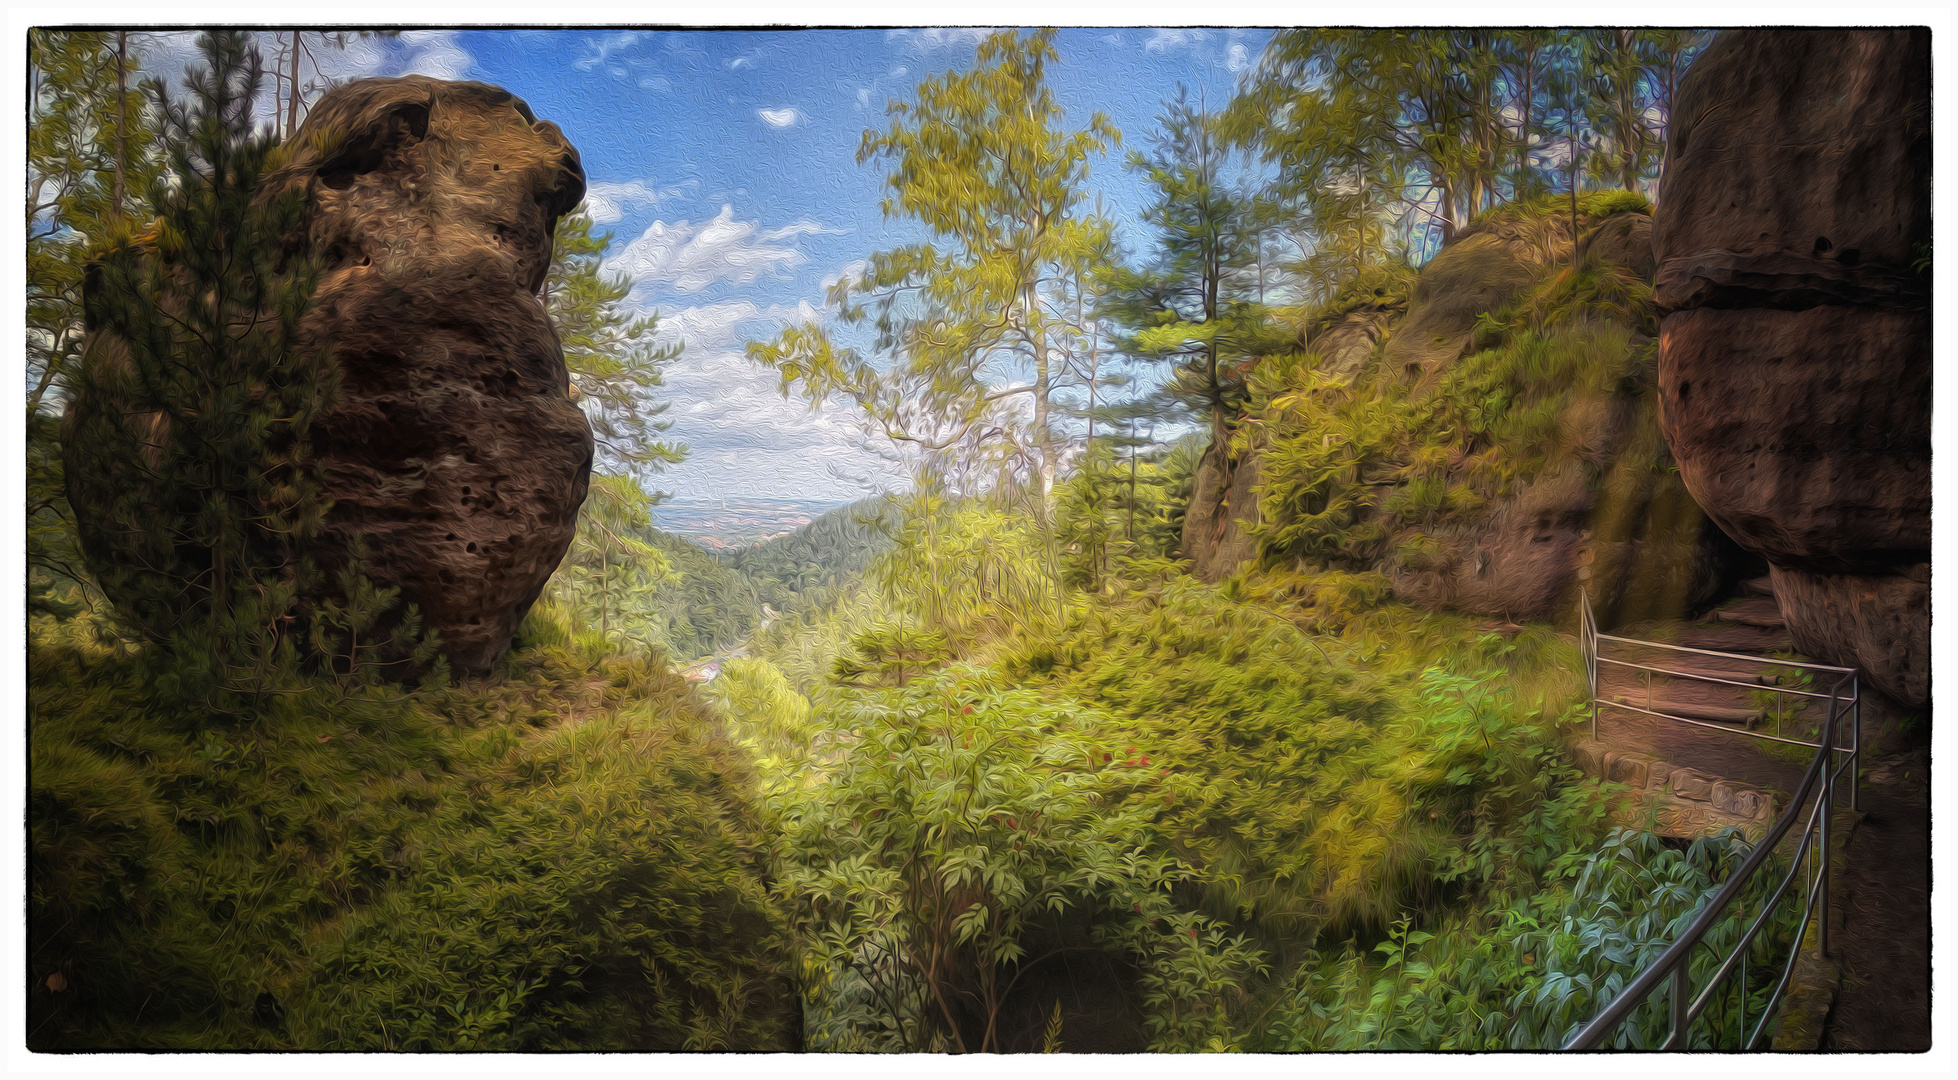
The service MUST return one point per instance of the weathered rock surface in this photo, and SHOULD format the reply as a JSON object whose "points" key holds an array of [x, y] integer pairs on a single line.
{"points": [[453, 447], [1480, 272], [1604, 514], [1223, 502], [1795, 363]]}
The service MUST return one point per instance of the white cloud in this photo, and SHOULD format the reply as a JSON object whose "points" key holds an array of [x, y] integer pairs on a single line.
{"points": [[781, 118], [435, 53], [599, 50], [848, 271], [608, 202], [1238, 59], [618, 55], [1165, 39], [940, 37], [744, 437], [326, 60], [683, 257], [707, 327]]}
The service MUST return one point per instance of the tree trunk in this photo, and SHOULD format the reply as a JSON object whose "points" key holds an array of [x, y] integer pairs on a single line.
{"points": [[122, 110], [292, 105]]}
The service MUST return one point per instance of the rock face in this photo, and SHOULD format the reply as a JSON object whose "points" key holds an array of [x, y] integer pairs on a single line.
{"points": [[1597, 506], [1795, 362], [453, 447]]}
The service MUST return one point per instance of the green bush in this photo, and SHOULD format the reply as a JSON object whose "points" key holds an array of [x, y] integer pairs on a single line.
{"points": [[970, 833], [337, 865], [1533, 968]]}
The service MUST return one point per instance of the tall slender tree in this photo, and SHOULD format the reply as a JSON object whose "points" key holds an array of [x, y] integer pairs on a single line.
{"points": [[1196, 305], [967, 325]]}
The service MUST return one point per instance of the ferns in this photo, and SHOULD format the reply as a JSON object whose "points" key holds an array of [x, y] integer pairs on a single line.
{"points": [[373, 864]]}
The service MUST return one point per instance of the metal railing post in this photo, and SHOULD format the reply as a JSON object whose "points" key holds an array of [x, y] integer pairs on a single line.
{"points": [[1742, 1032], [1682, 992], [1828, 797], [1856, 743]]}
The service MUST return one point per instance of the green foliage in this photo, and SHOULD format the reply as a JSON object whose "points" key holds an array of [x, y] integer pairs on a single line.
{"points": [[614, 358], [194, 401], [594, 900], [1388, 138], [1119, 516], [890, 655], [1200, 306], [610, 578], [1357, 471], [568, 859], [790, 572], [967, 323], [1319, 782], [970, 568], [972, 833], [352, 635], [1530, 971]]}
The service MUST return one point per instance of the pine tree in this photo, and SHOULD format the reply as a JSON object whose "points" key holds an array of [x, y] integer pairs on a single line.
{"points": [[90, 157], [614, 358], [186, 439]]}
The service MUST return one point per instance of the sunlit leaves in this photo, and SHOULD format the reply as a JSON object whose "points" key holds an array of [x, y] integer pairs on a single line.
{"points": [[972, 832]]}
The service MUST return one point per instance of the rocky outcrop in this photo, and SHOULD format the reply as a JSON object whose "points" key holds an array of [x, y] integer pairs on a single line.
{"points": [[452, 447], [1795, 367], [1223, 504], [1478, 273], [1527, 312]]}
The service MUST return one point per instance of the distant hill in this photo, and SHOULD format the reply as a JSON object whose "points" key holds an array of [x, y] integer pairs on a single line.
{"points": [[718, 598], [732, 523]]}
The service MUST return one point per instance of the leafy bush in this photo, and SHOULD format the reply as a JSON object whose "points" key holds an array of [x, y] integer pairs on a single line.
{"points": [[970, 834], [1323, 781], [1531, 971], [598, 888]]}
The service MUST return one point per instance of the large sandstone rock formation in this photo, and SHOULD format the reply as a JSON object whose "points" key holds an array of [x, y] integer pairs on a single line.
{"points": [[1599, 510], [1795, 363], [453, 446]]}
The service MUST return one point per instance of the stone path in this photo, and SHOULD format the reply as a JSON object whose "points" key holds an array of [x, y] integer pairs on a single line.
{"points": [[1697, 779]]}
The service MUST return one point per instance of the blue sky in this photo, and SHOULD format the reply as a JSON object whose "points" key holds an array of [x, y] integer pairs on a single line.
{"points": [[724, 165]]}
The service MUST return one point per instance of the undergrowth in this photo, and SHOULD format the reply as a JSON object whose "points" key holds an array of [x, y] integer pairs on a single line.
{"points": [[566, 857]]}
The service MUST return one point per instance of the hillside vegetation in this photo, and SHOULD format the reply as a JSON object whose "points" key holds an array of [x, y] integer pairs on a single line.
{"points": [[1165, 708]]}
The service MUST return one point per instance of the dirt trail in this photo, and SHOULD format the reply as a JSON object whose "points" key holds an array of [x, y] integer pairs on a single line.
{"points": [[1884, 1003]]}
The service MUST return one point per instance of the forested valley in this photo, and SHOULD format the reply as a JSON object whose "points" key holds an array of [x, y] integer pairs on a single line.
{"points": [[1206, 685]]}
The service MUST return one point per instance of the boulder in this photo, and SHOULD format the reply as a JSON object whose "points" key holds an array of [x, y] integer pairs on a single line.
{"points": [[1223, 502], [1479, 272], [453, 447], [1792, 241]]}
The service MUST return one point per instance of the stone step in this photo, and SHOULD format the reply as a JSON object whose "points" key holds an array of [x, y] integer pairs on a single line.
{"points": [[1676, 801], [1693, 710], [1752, 618], [1760, 586], [1685, 670]]}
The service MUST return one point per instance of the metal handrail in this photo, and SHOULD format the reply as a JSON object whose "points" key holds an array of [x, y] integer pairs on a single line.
{"points": [[1590, 641], [1810, 859]]}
